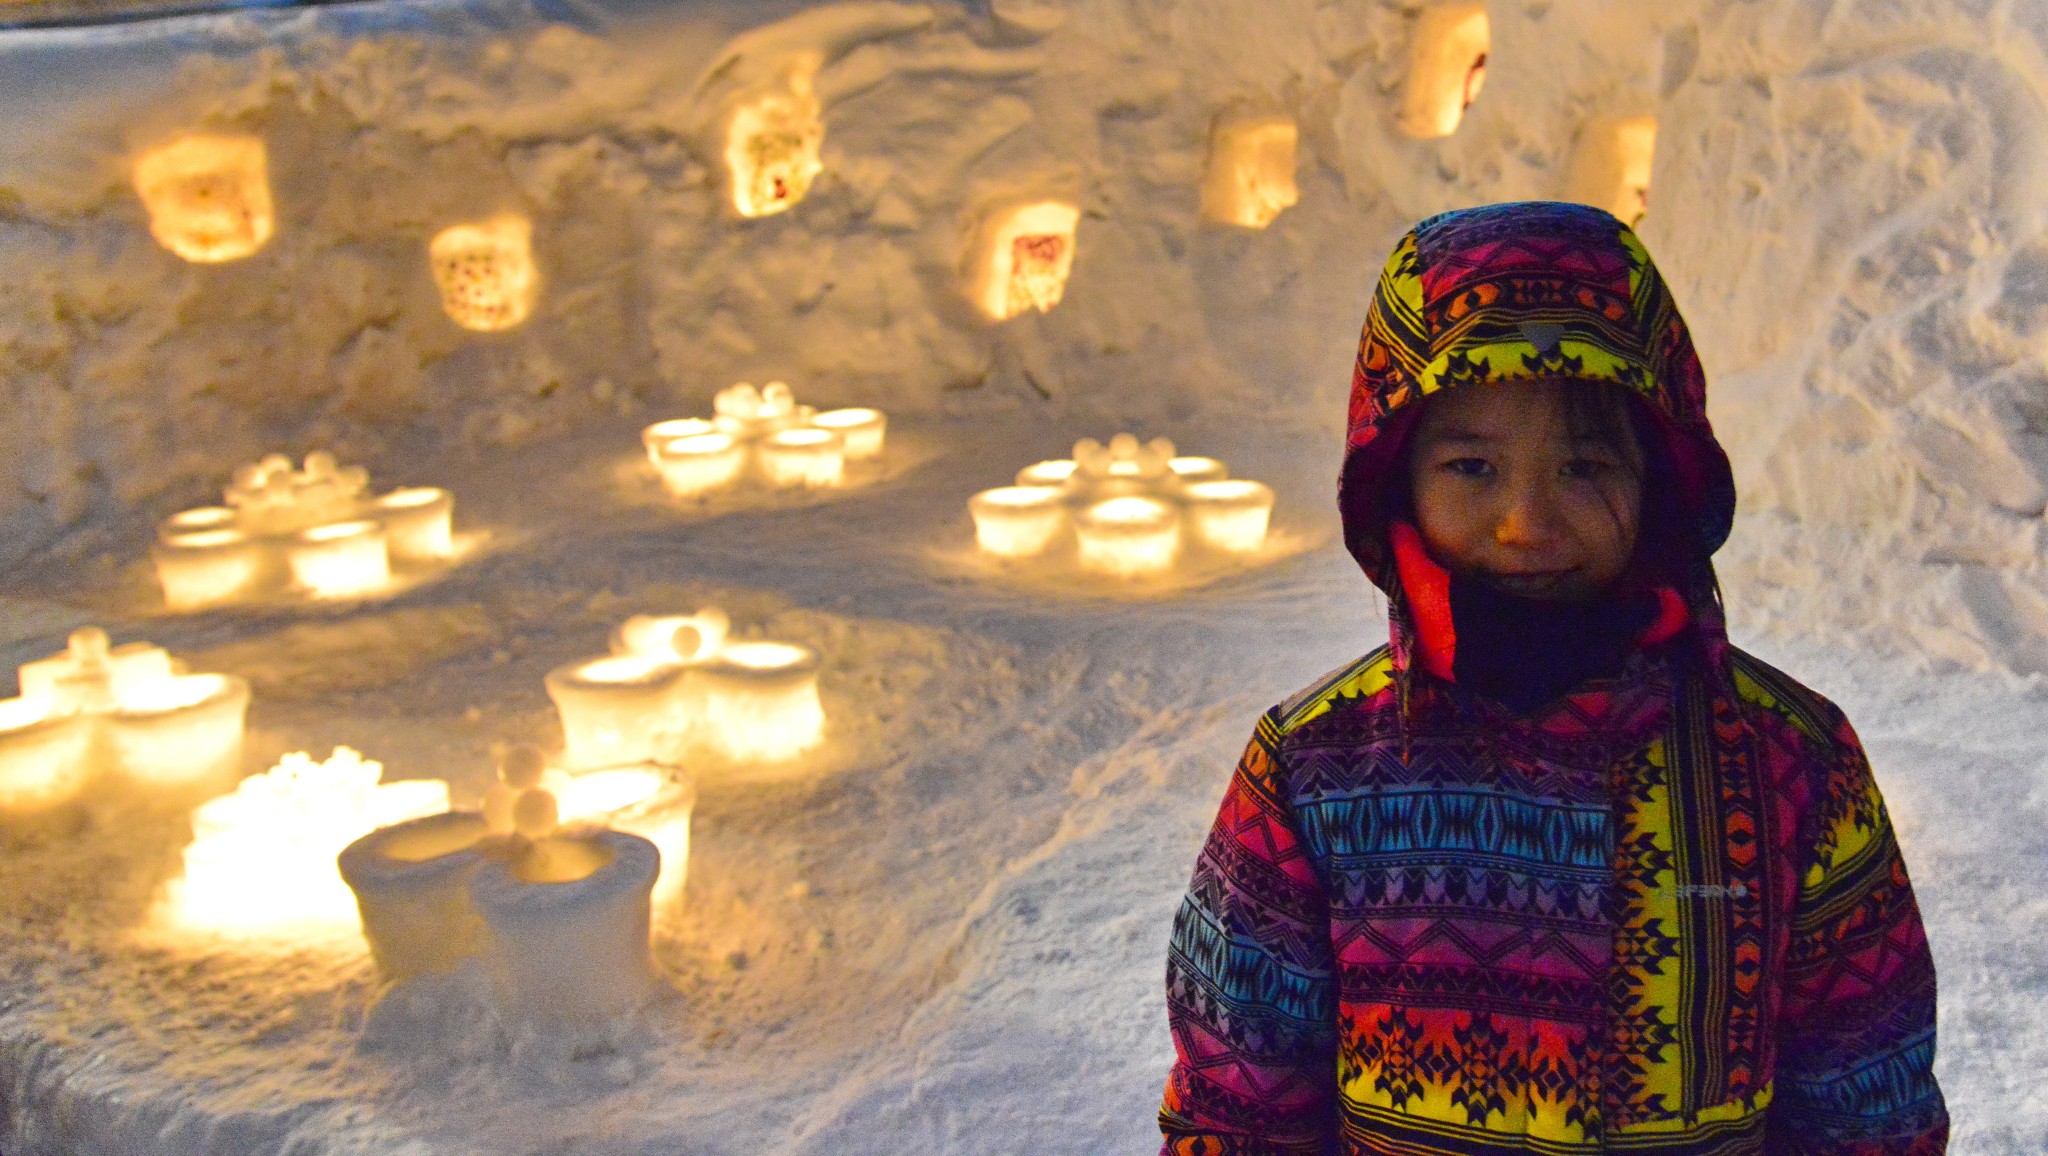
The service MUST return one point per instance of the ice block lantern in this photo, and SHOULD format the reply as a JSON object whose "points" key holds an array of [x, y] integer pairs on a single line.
{"points": [[1132, 508], [762, 432], [772, 146], [129, 709], [261, 864], [1446, 69], [1023, 258], [485, 272], [1250, 176], [314, 528], [207, 196], [1611, 168]]}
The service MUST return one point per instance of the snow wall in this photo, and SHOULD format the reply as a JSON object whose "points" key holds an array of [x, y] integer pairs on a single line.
{"points": [[1848, 197]]}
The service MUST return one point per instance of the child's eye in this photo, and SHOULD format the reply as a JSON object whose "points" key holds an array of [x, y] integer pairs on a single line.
{"points": [[1469, 467], [1587, 469]]}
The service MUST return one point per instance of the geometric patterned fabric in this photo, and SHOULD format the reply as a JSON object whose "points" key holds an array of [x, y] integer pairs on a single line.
{"points": [[1664, 913]]}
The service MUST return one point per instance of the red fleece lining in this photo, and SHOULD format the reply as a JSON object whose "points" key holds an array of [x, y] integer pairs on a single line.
{"points": [[1428, 587]]}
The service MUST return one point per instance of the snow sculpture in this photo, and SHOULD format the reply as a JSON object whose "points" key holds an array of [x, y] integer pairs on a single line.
{"points": [[543, 888], [1446, 69], [772, 144], [1611, 168], [1250, 176], [1023, 258], [485, 272], [314, 530], [762, 433], [675, 682], [130, 709], [208, 197], [261, 865], [1131, 507]]}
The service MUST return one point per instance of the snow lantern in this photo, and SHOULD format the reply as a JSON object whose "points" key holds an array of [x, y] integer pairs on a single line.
{"points": [[1023, 257], [1250, 175], [760, 700], [128, 708], [261, 864], [863, 430], [486, 273], [618, 710], [315, 529], [764, 432], [1229, 515], [802, 458], [207, 196], [1446, 69], [1127, 537], [1611, 167], [772, 144], [1018, 521]]}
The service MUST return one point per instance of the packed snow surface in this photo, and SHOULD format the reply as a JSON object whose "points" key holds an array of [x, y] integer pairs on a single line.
{"points": [[948, 936]]}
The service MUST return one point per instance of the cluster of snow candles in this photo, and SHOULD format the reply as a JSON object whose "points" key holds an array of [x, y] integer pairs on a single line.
{"points": [[549, 887], [315, 530], [1130, 508], [676, 683], [131, 710], [762, 434]]}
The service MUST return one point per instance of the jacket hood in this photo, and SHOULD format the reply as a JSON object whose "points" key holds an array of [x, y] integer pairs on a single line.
{"points": [[1521, 292]]}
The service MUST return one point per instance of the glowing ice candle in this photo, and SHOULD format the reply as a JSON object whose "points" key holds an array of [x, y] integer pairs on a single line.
{"points": [[42, 755], [640, 800], [696, 465], [802, 457], [772, 146], [1231, 516], [862, 428], [194, 520], [1025, 256], [341, 560], [1128, 537], [1192, 469], [1446, 69], [207, 567], [618, 711], [1017, 521], [1612, 166], [208, 197], [761, 700], [1250, 175], [411, 887], [1057, 472], [261, 865], [181, 731], [485, 272], [419, 523], [566, 925], [688, 639], [662, 432]]}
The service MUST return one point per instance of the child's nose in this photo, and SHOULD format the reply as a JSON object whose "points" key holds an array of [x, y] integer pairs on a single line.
{"points": [[1527, 520]]}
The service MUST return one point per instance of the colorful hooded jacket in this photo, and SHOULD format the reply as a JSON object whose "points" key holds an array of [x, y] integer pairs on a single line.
{"points": [[1664, 913]]}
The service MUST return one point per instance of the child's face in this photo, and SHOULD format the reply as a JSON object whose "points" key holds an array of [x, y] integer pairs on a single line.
{"points": [[1505, 493]]}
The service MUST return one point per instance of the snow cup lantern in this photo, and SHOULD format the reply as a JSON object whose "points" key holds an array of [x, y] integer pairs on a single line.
{"points": [[762, 433], [128, 709], [772, 144], [1250, 175], [207, 196], [1131, 508], [1022, 258], [1612, 164], [1446, 69], [314, 529], [485, 272]]}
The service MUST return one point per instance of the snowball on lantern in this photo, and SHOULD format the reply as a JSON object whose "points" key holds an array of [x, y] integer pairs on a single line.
{"points": [[207, 196], [1612, 164], [485, 272], [772, 144], [1446, 69], [1250, 175], [1023, 257]]}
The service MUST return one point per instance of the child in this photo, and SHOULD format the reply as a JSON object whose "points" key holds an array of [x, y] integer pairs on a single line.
{"points": [[1558, 870]]}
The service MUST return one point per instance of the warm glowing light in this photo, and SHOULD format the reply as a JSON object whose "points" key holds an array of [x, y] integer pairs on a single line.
{"points": [[667, 638], [1250, 176], [662, 432], [128, 710], [803, 457], [199, 518], [206, 568], [566, 926], [1017, 521], [1024, 257], [208, 197], [419, 523], [486, 273], [1053, 473], [1446, 69], [641, 800], [619, 711], [761, 700], [697, 465], [1128, 537], [1193, 469], [1612, 166], [343, 560], [1231, 516], [271, 497], [862, 428], [1123, 467], [261, 865], [772, 148]]}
